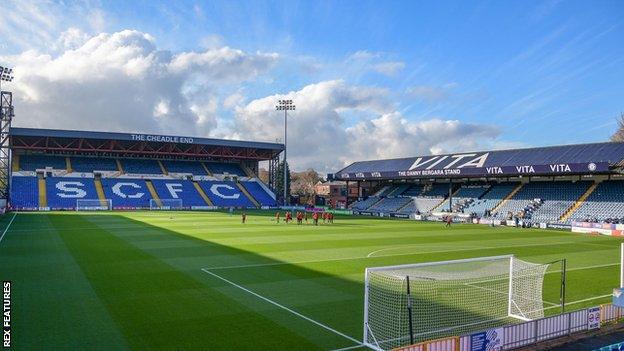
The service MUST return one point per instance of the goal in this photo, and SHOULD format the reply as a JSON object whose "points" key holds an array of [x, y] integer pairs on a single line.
{"points": [[416, 302], [165, 204], [94, 205]]}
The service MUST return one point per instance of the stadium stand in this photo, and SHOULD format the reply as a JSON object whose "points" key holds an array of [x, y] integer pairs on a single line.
{"points": [[140, 166], [123, 168], [491, 198], [188, 167], [259, 193], [464, 197], [413, 190], [34, 162], [126, 193], [178, 189], [225, 168], [25, 193], [605, 204], [542, 201], [90, 164], [366, 203], [62, 192], [390, 204], [398, 190], [225, 194]]}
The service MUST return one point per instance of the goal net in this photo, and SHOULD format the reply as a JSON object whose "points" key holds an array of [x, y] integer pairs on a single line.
{"points": [[417, 302], [93, 205], [165, 204]]}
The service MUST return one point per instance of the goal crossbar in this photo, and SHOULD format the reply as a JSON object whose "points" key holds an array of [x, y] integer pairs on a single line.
{"points": [[411, 303], [437, 263]]}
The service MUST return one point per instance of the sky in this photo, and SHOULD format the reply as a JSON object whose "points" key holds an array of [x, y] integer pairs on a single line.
{"points": [[370, 79]]}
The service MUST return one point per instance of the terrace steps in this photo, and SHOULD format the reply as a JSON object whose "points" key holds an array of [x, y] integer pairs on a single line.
{"points": [[508, 197], [249, 196], [579, 202], [404, 206], [202, 193], [119, 167], [162, 168], [68, 164], [247, 171], [206, 169], [437, 207], [99, 189], [43, 198], [376, 202], [153, 192]]}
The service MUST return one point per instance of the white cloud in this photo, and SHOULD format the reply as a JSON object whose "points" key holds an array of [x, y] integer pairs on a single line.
{"points": [[374, 61], [123, 82], [431, 94], [389, 68], [233, 100], [319, 136]]}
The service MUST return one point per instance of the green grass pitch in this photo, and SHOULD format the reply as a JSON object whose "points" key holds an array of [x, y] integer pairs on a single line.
{"points": [[134, 280]]}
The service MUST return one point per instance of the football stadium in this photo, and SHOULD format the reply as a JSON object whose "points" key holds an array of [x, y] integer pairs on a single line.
{"points": [[457, 179], [119, 240]]}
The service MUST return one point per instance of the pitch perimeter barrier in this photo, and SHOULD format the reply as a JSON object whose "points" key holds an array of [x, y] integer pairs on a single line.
{"points": [[527, 333], [445, 344]]}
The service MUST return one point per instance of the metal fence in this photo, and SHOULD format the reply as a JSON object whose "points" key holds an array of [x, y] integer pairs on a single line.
{"points": [[446, 344], [610, 313], [531, 332]]}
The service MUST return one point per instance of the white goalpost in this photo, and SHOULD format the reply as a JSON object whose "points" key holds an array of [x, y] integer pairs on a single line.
{"points": [[94, 205], [166, 204], [411, 303]]}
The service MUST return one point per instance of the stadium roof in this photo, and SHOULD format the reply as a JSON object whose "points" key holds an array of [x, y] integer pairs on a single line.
{"points": [[552, 160], [73, 141]]}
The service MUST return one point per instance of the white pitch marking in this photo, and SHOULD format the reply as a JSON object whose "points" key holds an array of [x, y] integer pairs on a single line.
{"points": [[468, 248], [7, 228], [363, 257], [282, 307], [349, 348], [579, 301]]}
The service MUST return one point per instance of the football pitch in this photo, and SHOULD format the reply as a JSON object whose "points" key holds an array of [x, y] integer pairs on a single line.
{"points": [[203, 280]]}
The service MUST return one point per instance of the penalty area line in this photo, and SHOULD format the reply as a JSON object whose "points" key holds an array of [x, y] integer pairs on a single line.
{"points": [[8, 226], [359, 343], [580, 301]]}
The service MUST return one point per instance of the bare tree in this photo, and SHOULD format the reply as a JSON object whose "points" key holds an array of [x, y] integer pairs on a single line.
{"points": [[618, 136], [303, 185]]}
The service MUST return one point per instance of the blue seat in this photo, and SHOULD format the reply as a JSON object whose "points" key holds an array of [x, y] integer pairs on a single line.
{"points": [[140, 166], [34, 162], [24, 193], [178, 189], [90, 164], [62, 192], [223, 168], [127, 193], [192, 167], [225, 194], [258, 192]]}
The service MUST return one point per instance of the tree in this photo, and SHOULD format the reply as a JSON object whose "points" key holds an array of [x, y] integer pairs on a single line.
{"points": [[303, 184], [618, 136], [279, 191]]}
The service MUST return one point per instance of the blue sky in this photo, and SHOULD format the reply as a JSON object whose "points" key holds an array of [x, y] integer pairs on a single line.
{"points": [[507, 73]]}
